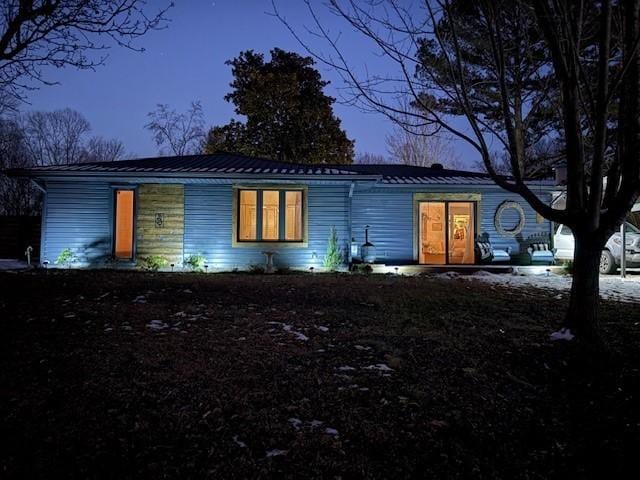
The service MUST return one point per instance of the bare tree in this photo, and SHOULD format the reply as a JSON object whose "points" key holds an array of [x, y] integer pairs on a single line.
{"points": [[56, 138], [419, 147], [43, 33], [368, 158], [515, 72], [17, 196], [177, 133], [100, 149]]}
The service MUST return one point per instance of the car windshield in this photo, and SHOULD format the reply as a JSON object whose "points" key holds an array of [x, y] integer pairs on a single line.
{"points": [[630, 228]]}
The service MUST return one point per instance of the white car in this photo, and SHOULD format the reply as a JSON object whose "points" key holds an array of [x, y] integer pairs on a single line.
{"points": [[612, 253]]}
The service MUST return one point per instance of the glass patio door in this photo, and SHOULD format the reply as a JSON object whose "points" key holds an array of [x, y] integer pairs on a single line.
{"points": [[461, 232], [447, 232], [433, 233]]}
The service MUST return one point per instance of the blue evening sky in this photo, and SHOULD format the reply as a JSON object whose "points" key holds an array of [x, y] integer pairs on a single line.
{"points": [[185, 62]]}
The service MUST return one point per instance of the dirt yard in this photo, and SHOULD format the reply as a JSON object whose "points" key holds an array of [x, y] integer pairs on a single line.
{"points": [[141, 375]]}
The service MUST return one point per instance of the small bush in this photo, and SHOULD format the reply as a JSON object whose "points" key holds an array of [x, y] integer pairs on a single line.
{"points": [[195, 262], [333, 259], [66, 257], [154, 262], [567, 266], [256, 269], [363, 268]]}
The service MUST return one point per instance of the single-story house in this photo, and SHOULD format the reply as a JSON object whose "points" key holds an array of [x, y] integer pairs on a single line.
{"points": [[231, 208]]}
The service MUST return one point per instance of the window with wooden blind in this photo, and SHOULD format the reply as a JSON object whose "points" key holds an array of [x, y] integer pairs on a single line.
{"points": [[270, 215]]}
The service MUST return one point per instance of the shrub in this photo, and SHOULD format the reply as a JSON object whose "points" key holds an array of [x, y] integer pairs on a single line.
{"points": [[154, 262], [363, 268], [66, 257], [195, 262], [567, 266], [256, 269], [333, 259]]}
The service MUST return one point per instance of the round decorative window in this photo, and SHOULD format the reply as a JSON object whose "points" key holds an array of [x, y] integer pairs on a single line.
{"points": [[509, 219]]}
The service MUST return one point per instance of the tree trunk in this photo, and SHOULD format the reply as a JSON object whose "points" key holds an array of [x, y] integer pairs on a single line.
{"points": [[582, 316]]}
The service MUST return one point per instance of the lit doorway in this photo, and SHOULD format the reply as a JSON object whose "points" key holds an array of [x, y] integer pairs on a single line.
{"points": [[447, 232], [124, 227]]}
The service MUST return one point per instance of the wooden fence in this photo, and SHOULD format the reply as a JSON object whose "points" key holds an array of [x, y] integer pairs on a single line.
{"points": [[16, 234]]}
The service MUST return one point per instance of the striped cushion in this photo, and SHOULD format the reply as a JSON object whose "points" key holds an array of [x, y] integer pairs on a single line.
{"points": [[485, 249], [539, 247]]}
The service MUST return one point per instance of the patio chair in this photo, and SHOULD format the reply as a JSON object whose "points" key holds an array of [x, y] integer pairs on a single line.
{"points": [[485, 253], [537, 250], [540, 253]]}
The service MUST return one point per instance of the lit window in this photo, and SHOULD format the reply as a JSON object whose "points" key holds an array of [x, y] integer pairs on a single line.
{"points": [[293, 220], [278, 213], [270, 214], [248, 209]]}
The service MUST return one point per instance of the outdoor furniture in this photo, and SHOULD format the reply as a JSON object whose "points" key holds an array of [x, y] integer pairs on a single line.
{"points": [[485, 253], [540, 253]]}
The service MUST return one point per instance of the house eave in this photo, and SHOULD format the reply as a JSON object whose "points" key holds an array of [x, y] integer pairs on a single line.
{"points": [[182, 176]]}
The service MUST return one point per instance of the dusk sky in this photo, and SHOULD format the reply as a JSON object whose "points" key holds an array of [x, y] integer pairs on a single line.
{"points": [[185, 62]]}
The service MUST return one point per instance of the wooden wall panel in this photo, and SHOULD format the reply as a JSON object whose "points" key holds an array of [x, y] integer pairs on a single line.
{"points": [[167, 240]]}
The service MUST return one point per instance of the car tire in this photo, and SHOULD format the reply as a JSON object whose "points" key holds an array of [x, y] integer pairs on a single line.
{"points": [[607, 263]]}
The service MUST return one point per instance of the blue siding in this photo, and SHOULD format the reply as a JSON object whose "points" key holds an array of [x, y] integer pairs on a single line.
{"points": [[78, 216], [208, 229], [490, 203], [389, 212]]}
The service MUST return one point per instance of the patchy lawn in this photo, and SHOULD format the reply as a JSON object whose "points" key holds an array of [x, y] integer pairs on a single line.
{"points": [[129, 375]]}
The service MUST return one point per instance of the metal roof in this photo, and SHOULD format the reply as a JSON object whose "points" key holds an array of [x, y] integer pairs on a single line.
{"points": [[412, 174], [231, 165], [215, 163]]}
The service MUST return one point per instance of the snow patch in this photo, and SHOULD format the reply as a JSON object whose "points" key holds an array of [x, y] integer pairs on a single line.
{"points": [[382, 367], [276, 452], [611, 286], [238, 442], [290, 329], [295, 423], [448, 275], [562, 334], [157, 325]]}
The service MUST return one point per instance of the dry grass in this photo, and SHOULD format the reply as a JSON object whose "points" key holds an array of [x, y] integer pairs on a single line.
{"points": [[88, 389]]}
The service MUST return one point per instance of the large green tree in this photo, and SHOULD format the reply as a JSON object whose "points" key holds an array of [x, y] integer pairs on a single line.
{"points": [[288, 116]]}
